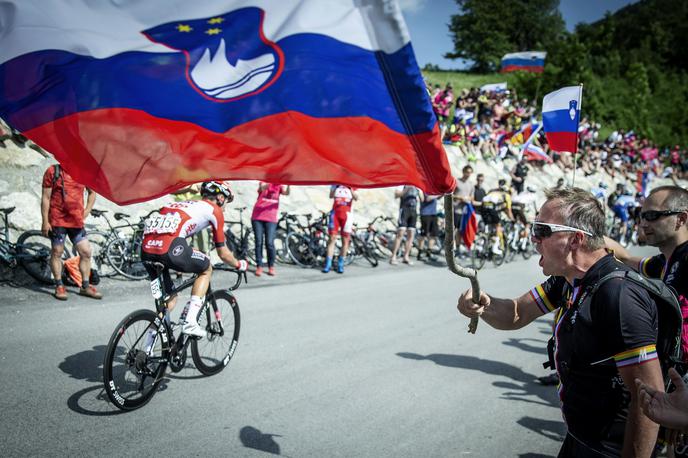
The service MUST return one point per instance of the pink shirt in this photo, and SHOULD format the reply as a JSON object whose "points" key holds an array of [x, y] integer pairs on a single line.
{"points": [[267, 205]]}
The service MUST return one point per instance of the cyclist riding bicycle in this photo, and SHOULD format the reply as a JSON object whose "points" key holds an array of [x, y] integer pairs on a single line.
{"points": [[164, 241], [496, 202], [623, 208]]}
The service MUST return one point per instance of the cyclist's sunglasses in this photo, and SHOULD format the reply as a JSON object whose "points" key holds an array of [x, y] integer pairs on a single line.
{"points": [[541, 230], [654, 215]]}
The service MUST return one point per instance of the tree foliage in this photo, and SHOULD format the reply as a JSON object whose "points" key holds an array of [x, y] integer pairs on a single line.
{"points": [[485, 30], [633, 63]]}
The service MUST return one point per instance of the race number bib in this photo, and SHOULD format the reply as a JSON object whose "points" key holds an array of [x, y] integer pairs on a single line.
{"points": [[156, 288], [163, 224]]}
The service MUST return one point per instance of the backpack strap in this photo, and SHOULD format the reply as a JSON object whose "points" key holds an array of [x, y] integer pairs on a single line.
{"points": [[58, 175]]}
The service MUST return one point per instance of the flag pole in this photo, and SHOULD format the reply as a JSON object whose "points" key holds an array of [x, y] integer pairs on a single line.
{"points": [[575, 152]]}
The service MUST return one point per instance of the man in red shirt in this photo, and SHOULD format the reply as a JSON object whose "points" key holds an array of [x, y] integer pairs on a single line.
{"points": [[63, 213]]}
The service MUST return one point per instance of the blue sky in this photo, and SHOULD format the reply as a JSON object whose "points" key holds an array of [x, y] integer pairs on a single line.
{"points": [[427, 22]]}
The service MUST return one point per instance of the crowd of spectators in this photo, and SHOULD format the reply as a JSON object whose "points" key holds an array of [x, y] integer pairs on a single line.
{"points": [[492, 125]]}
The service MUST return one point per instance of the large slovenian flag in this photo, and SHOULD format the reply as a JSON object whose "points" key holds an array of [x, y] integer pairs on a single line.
{"points": [[560, 116], [529, 61], [138, 98]]}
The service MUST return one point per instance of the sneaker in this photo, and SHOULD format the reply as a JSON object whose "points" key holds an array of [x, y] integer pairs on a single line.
{"points": [[340, 266], [91, 292], [259, 271], [271, 271], [60, 293], [192, 328]]}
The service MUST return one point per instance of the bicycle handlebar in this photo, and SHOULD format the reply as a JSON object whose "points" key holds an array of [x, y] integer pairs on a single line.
{"points": [[241, 274]]}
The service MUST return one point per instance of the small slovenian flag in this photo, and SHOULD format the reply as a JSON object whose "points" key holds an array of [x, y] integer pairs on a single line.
{"points": [[560, 115], [468, 226], [529, 61], [535, 153]]}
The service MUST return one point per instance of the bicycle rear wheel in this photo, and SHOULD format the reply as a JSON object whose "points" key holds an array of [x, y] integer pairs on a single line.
{"points": [[99, 241], [299, 250], [135, 360], [221, 320], [479, 252], [121, 256], [33, 251]]}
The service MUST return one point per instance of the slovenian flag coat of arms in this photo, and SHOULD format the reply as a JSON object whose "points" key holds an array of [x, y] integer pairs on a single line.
{"points": [[138, 98]]}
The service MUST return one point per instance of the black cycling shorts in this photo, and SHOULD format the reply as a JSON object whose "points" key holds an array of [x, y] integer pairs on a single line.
{"points": [[58, 235], [408, 217], [519, 215], [490, 216], [180, 257], [428, 225]]}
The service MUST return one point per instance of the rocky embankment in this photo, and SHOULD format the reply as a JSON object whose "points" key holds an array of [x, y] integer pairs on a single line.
{"points": [[21, 171]]}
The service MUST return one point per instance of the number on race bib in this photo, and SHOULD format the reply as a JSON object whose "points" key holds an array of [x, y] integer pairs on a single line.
{"points": [[156, 288], [163, 224]]}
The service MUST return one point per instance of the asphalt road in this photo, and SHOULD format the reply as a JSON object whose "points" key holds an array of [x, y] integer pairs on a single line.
{"points": [[372, 363]]}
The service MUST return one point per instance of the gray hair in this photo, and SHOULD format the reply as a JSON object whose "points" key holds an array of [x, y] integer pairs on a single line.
{"points": [[677, 198], [580, 209]]}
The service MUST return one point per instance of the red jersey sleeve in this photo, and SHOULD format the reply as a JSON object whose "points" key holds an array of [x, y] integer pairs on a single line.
{"points": [[48, 177], [218, 223]]}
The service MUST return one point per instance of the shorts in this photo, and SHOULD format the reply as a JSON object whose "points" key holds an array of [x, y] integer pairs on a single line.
{"points": [[340, 221], [621, 212], [408, 217], [519, 214], [428, 225], [490, 216], [180, 257], [58, 235]]}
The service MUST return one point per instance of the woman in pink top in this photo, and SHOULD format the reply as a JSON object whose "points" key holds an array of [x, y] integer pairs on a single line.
{"points": [[264, 221]]}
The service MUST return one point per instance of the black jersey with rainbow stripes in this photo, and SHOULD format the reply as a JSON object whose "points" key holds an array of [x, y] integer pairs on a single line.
{"points": [[616, 328]]}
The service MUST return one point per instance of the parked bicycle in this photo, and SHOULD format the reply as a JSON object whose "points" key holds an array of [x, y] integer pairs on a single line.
{"points": [[144, 343], [239, 238], [31, 251], [123, 250]]}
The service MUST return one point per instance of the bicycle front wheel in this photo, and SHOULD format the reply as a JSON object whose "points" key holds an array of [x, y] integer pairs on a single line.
{"points": [[221, 320], [135, 360], [33, 251]]}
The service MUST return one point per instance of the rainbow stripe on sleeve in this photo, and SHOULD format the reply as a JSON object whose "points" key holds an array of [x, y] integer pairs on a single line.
{"points": [[541, 299], [642, 265], [638, 355]]}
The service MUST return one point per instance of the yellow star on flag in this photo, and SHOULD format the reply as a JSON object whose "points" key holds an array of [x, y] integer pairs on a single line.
{"points": [[216, 20], [214, 31], [184, 28]]}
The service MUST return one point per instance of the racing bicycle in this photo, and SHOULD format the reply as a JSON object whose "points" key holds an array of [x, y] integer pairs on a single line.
{"points": [[146, 342]]}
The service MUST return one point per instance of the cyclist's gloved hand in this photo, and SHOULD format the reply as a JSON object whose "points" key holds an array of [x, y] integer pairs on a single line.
{"points": [[242, 265]]}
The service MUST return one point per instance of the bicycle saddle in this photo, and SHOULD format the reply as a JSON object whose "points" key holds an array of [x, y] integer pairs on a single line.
{"points": [[98, 213], [119, 216], [7, 210]]}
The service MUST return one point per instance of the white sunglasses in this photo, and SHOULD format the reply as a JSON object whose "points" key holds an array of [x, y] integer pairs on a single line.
{"points": [[543, 230]]}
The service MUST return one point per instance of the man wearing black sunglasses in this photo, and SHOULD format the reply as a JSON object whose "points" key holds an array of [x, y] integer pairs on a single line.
{"points": [[602, 342], [664, 224]]}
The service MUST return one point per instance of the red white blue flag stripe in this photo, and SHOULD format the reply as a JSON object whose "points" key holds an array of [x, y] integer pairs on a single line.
{"points": [[529, 61], [138, 98], [560, 116]]}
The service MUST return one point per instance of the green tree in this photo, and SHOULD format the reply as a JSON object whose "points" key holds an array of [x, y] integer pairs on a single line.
{"points": [[485, 30]]}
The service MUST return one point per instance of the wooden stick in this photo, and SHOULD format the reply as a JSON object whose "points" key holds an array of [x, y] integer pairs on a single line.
{"points": [[461, 271]]}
